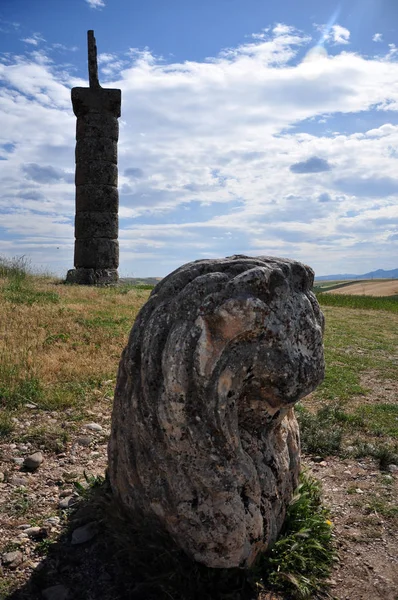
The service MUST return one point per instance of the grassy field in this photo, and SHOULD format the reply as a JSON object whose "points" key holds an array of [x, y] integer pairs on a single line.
{"points": [[59, 351], [59, 344], [353, 407]]}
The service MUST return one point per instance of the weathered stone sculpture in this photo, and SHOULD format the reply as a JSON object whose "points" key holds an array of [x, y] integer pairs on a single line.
{"points": [[97, 198], [204, 438]]}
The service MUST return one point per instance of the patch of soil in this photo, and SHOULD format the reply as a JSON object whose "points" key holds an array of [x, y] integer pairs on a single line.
{"points": [[364, 513]]}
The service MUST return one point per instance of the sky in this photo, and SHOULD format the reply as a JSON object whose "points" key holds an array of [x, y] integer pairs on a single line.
{"points": [[247, 127]]}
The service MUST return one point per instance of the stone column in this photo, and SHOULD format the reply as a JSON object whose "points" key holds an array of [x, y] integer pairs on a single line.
{"points": [[97, 199]]}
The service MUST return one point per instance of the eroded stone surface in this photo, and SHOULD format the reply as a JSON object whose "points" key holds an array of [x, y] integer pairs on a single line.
{"points": [[83, 276], [98, 253], [203, 434]]}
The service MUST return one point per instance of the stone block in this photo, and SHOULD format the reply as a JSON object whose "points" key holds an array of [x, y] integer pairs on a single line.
{"points": [[98, 198], [89, 149], [83, 276], [96, 253], [97, 125], [204, 440], [97, 172], [96, 100], [96, 225]]}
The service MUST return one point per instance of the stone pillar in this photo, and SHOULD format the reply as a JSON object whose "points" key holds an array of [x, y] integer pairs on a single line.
{"points": [[97, 199], [204, 439]]}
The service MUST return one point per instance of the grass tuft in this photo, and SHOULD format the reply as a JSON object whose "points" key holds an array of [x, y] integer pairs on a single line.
{"points": [[320, 433], [301, 560]]}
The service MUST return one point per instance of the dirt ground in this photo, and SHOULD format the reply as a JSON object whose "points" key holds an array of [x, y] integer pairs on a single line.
{"points": [[368, 288], [355, 490]]}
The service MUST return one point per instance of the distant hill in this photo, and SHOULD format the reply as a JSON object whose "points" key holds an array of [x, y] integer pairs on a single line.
{"points": [[379, 274]]}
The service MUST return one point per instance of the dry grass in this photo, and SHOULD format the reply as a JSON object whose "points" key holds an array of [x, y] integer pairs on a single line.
{"points": [[59, 343]]}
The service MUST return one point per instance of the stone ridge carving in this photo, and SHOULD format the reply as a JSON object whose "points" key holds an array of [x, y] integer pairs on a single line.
{"points": [[204, 438], [97, 199]]}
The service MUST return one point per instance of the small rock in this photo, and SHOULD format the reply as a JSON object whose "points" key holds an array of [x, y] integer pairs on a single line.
{"points": [[17, 460], [12, 446], [36, 533], [65, 493], [67, 502], [393, 468], [33, 461], [52, 521], [94, 427], [56, 592], [19, 480], [23, 526], [84, 440], [2, 477], [12, 559], [30, 405], [84, 534], [359, 491], [317, 459]]}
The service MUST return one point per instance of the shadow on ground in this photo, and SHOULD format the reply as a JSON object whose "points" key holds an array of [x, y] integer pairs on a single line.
{"points": [[123, 561]]}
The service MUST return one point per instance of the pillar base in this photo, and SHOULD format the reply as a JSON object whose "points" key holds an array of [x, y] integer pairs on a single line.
{"points": [[83, 276]]}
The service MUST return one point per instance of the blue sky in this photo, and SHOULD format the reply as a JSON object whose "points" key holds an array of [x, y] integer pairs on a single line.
{"points": [[247, 127]]}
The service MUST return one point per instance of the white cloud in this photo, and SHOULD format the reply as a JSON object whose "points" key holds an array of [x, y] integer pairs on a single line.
{"points": [[96, 3], [340, 35], [205, 153], [378, 37], [334, 34], [105, 58], [392, 52], [34, 40]]}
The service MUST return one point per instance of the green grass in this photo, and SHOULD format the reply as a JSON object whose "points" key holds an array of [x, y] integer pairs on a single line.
{"points": [[18, 387], [301, 560], [320, 434], [20, 287], [323, 431], [379, 419], [6, 425], [104, 321], [389, 303], [323, 286], [15, 268]]}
